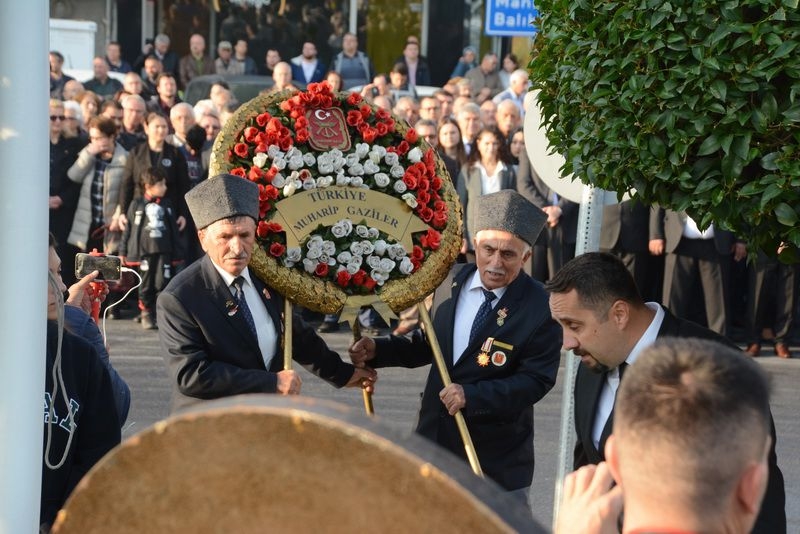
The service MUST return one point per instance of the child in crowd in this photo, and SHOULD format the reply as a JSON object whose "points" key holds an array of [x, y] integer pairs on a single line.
{"points": [[151, 240]]}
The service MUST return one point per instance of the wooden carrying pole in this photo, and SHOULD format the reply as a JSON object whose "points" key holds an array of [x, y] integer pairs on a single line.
{"points": [[368, 406], [287, 336], [472, 456]]}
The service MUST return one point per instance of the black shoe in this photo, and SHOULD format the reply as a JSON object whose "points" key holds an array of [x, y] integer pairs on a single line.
{"points": [[327, 326], [148, 322]]}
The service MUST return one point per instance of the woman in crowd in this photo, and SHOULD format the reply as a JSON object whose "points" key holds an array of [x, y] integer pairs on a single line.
{"points": [[156, 152], [516, 145], [450, 143], [90, 107], [510, 64], [488, 170]]}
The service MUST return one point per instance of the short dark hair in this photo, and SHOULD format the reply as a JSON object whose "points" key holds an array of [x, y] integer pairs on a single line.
{"points": [[164, 75], [599, 278], [106, 126], [684, 394], [58, 55], [400, 68], [152, 175], [110, 104]]}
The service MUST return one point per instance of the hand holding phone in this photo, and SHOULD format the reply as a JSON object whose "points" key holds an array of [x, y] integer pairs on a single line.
{"points": [[110, 267]]}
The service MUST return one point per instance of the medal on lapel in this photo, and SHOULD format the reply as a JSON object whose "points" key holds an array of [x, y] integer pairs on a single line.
{"points": [[266, 294], [483, 356], [501, 316], [232, 308]]}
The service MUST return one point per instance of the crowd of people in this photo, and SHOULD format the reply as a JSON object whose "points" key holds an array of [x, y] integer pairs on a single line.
{"points": [[128, 176]]}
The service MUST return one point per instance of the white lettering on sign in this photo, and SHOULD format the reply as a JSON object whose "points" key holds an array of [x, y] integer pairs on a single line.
{"points": [[501, 20], [515, 4]]}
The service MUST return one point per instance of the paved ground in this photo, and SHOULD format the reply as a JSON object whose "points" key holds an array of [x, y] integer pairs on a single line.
{"points": [[136, 355]]}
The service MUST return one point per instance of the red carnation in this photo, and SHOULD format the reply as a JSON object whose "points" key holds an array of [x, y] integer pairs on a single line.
{"points": [[440, 205], [439, 219], [250, 134], [381, 114], [262, 229], [431, 240], [360, 277], [263, 208], [263, 119], [366, 111], [277, 250], [417, 253], [321, 270], [343, 277], [370, 283], [301, 136], [239, 171], [271, 173], [403, 148], [422, 196], [426, 214], [271, 192], [411, 136], [354, 99], [255, 174], [354, 118], [382, 129], [285, 143], [240, 149], [417, 264], [274, 227], [369, 135], [436, 183], [410, 180]]}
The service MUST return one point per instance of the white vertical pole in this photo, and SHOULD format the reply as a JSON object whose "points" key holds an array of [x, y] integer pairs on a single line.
{"points": [[23, 235], [590, 219], [353, 23]]}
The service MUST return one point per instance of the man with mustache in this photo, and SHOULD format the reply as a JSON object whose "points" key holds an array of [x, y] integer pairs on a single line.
{"points": [[220, 326], [607, 324], [498, 340]]}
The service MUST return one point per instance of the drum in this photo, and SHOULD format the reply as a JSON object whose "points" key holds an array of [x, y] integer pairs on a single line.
{"points": [[268, 463]]}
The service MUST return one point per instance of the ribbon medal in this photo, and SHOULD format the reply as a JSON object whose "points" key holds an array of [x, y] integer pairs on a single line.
{"points": [[483, 356], [499, 358], [501, 316], [231, 307]]}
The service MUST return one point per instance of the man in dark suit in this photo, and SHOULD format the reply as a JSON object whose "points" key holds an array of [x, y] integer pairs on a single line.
{"points": [[221, 328], [556, 245], [625, 234], [673, 471], [694, 255], [607, 324], [499, 343]]}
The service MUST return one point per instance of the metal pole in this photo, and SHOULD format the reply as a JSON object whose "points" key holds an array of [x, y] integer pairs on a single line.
{"points": [[424, 27], [353, 22], [590, 219], [23, 231], [288, 321]]}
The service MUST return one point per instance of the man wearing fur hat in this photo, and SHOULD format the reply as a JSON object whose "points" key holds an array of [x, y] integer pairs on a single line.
{"points": [[220, 326], [499, 342]]}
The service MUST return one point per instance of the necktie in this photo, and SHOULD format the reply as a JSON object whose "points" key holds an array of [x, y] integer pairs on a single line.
{"points": [[483, 314], [238, 284]]}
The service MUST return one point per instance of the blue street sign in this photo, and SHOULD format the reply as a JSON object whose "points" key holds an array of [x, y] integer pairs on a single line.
{"points": [[510, 17]]}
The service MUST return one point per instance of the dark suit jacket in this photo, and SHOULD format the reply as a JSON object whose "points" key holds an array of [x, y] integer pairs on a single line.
{"points": [[589, 384], [299, 75], [500, 397], [172, 163], [668, 225], [212, 354], [469, 188], [625, 226], [532, 187]]}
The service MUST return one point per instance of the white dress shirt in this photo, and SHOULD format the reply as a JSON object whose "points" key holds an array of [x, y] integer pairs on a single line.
{"points": [[691, 230], [609, 393], [265, 328], [469, 300], [490, 183]]}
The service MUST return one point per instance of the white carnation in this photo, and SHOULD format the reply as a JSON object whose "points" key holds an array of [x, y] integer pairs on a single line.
{"points": [[296, 162], [324, 181], [415, 155], [289, 189], [397, 171], [314, 253], [309, 159], [274, 151], [351, 159], [380, 247], [356, 249], [259, 160], [379, 150], [400, 186], [367, 247], [279, 181], [362, 231], [329, 247], [410, 200], [310, 265], [344, 257], [292, 152], [279, 163], [342, 180], [382, 179], [356, 170], [362, 149], [314, 241], [391, 158], [386, 265], [370, 167], [356, 181], [373, 233], [396, 251], [406, 266], [340, 230], [374, 262], [353, 267], [294, 254], [309, 184]]}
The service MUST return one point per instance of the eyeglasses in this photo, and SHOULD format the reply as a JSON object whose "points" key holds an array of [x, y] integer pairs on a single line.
{"points": [[57, 118]]}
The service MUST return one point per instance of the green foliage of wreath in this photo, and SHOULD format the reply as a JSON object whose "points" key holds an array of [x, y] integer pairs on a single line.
{"points": [[695, 104]]}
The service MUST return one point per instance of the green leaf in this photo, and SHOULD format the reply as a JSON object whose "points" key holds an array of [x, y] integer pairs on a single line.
{"points": [[769, 107], [741, 146], [770, 161], [711, 144], [718, 89], [785, 214], [786, 48]]}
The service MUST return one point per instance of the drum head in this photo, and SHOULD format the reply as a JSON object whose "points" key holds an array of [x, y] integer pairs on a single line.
{"points": [[265, 463]]}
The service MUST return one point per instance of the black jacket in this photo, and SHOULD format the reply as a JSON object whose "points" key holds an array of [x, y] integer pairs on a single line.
{"points": [[94, 417], [172, 163], [133, 247]]}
